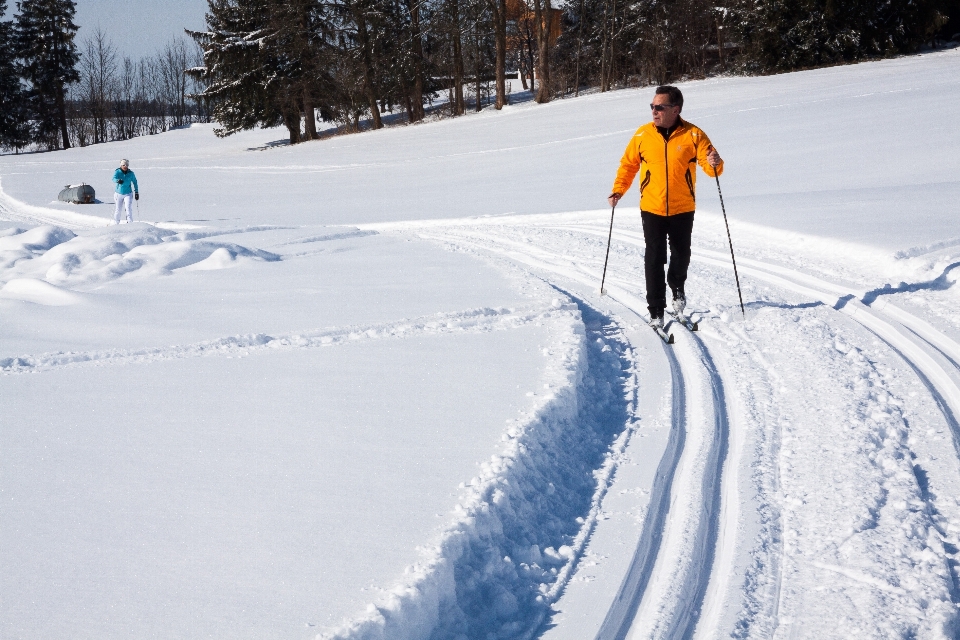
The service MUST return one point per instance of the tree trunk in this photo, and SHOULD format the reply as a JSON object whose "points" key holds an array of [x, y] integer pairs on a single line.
{"points": [[611, 67], [405, 93], [309, 116], [523, 68], [476, 66], [290, 111], [499, 8], [604, 66], [544, 17], [576, 81], [458, 106], [62, 115], [723, 66], [416, 94], [367, 66]]}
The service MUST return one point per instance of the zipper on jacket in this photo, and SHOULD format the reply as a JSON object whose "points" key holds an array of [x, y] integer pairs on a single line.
{"points": [[666, 172]]}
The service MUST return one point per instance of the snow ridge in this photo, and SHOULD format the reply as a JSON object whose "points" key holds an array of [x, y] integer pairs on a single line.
{"points": [[474, 320], [523, 522]]}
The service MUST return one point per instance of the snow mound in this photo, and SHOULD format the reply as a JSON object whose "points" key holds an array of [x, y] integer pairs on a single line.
{"points": [[60, 257], [38, 292], [221, 258], [26, 244]]}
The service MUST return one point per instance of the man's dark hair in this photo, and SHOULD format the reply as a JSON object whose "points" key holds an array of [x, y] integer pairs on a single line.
{"points": [[676, 98]]}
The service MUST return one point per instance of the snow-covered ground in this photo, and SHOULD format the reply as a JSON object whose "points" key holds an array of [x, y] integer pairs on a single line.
{"points": [[366, 387]]}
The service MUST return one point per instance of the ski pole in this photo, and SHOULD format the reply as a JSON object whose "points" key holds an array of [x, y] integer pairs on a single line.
{"points": [[609, 237], [730, 240]]}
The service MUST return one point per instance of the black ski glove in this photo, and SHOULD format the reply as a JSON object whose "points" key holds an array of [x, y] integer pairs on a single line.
{"points": [[119, 180], [136, 196]]}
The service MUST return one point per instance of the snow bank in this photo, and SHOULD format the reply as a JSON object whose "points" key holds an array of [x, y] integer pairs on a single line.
{"points": [[20, 244], [39, 292], [60, 257], [522, 523]]}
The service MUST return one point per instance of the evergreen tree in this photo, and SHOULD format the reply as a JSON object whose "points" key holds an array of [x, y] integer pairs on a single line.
{"points": [[233, 66], [14, 117], [265, 62], [44, 42], [781, 36]]}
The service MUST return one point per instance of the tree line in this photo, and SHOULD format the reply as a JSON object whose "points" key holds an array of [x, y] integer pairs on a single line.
{"points": [[355, 62], [117, 98], [272, 62], [57, 92]]}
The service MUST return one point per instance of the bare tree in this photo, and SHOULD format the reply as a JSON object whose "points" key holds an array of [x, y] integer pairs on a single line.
{"points": [[172, 64], [98, 73], [132, 102]]}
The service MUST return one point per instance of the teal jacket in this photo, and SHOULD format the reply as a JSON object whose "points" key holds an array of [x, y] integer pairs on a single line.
{"points": [[123, 188]]}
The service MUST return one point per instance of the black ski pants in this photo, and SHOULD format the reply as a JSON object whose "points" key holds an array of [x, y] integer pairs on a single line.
{"points": [[659, 232]]}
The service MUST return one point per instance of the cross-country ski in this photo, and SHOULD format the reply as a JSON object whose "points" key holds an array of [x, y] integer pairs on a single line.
{"points": [[684, 321]]}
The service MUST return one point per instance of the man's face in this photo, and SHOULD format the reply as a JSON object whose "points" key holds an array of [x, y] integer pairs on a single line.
{"points": [[668, 116]]}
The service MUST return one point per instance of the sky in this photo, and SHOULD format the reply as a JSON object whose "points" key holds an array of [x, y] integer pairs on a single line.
{"points": [[138, 29]]}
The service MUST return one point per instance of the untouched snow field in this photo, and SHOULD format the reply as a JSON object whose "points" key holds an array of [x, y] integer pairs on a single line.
{"points": [[366, 387]]}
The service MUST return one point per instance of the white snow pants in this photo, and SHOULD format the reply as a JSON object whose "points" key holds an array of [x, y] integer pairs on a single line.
{"points": [[123, 201]]}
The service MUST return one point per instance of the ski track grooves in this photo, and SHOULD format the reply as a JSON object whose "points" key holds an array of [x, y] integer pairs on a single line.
{"points": [[712, 494], [624, 607], [914, 340], [665, 531], [852, 303]]}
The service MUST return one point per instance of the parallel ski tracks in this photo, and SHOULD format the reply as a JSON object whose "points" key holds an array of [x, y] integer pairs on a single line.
{"points": [[917, 341], [933, 356], [672, 563]]}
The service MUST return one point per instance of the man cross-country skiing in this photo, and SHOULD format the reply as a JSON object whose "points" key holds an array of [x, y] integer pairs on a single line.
{"points": [[124, 194], [668, 151]]}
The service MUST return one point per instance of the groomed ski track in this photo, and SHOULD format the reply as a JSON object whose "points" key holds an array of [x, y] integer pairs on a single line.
{"points": [[666, 583], [686, 577]]}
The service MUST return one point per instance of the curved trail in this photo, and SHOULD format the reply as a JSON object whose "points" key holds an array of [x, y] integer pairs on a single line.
{"points": [[933, 356], [666, 583], [694, 566]]}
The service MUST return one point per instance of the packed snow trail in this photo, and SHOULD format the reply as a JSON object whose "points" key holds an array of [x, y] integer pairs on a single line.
{"points": [[868, 309], [749, 597], [682, 539]]}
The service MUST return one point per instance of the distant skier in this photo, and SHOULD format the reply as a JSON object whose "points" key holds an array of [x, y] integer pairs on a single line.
{"points": [[668, 150], [124, 194]]}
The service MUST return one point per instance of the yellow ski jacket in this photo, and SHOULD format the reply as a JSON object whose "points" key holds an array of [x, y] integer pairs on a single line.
{"points": [[669, 178]]}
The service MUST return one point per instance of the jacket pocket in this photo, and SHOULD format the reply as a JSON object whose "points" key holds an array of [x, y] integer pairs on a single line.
{"points": [[646, 181]]}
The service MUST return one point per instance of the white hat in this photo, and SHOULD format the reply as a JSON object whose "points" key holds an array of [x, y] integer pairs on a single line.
{"points": [[124, 162]]}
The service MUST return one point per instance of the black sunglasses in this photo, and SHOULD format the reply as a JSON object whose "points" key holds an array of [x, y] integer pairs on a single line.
{"points": [[661, 107]]}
